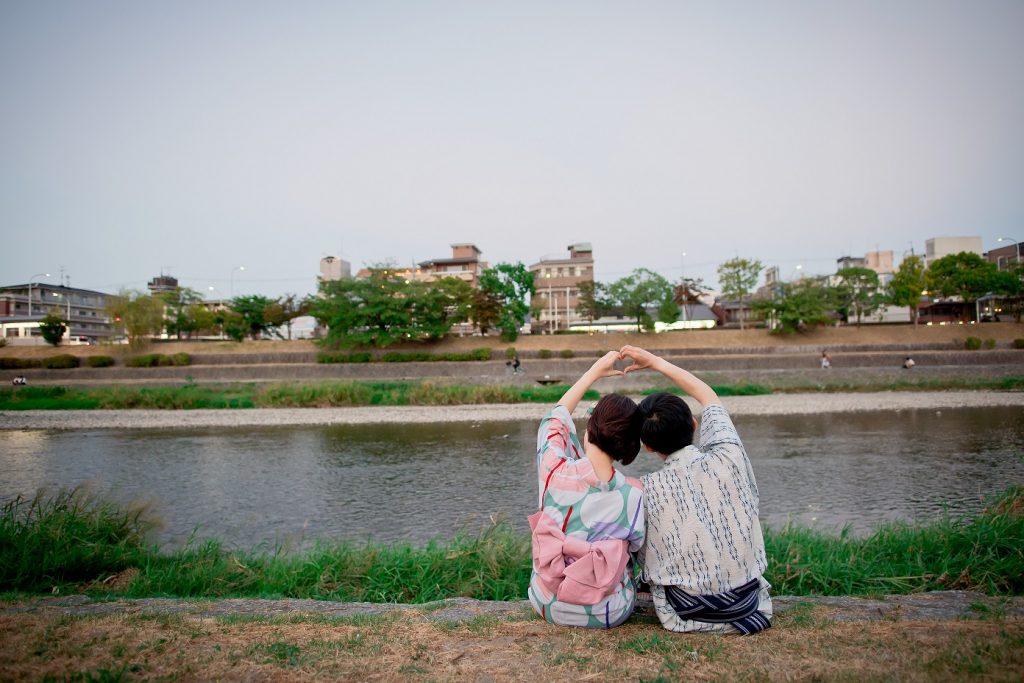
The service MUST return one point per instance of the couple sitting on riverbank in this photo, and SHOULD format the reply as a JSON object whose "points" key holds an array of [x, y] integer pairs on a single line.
{"points": [[690, 530]]}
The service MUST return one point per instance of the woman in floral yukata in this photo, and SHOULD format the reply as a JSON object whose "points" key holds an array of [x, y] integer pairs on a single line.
{"points": [[591, 515]]}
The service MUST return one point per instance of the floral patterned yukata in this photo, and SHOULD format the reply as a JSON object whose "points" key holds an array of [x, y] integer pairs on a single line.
{"points": [[583, 534]]}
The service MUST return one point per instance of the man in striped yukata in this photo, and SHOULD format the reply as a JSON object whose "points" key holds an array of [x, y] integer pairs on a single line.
{"points": [[704, 554]]}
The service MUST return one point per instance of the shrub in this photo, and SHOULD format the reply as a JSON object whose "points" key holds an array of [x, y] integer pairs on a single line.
{"points": [[18, 363], [60, 362], [544, 353], [1018, 343], [510, 352], [990, 343], [482, 353], [566, 353], [3, 342], [148, 360], [972, 344], [358, 357], [407, 357], [181, 358], [99, 361]]}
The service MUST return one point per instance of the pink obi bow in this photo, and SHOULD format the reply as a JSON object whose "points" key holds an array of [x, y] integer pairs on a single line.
{"points": [[575, 571]]}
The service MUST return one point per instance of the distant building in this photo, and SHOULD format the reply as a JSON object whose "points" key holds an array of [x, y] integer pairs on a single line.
{"points": [[162, 284], [557, 281], [334, 268], [23, 306], [464, 264], [1006, 257], [937, 247]]}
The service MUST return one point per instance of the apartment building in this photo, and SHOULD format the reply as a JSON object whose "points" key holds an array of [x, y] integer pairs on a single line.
{"points": [[23, 306], [937, 247], [464, 264], [1006, 257], [556, 281]]}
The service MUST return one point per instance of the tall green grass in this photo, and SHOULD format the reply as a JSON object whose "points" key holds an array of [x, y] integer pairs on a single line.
{"points": [[282, 395], [74, 540], [73, 535]]}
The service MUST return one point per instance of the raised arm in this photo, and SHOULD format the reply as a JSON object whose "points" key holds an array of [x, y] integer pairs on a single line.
{"points": [[683, 379], [604, 367]]}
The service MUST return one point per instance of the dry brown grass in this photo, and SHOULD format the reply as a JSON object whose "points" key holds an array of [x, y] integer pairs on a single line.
{"points": [[804, 645], [725, 338]]}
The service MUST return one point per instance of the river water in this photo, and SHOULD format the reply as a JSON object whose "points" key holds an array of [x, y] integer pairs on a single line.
{"points": [[288, 486]]}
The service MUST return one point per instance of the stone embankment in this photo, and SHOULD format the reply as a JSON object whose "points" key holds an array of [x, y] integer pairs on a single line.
{"points": [[773, 368]]}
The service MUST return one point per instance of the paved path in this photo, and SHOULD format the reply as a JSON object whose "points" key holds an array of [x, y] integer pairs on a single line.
{"points": [[775, 404]]}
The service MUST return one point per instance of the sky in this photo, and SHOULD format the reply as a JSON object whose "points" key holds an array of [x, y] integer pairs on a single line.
{"points": [[194, 138]]}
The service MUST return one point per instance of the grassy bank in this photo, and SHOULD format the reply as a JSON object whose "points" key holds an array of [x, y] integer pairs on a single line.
{"points": [[283, 395], [404, 393], [985, 553]]}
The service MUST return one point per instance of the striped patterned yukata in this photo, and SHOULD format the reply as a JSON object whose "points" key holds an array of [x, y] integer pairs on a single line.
{"points": [[703, 531], [589, 512]]}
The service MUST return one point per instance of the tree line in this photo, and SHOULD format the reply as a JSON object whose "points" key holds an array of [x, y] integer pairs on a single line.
{"points": [[385, 308]]}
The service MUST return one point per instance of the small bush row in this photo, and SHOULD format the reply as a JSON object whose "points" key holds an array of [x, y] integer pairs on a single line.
{"points": [[564, 353], [152, 360], [58, 362], [403, 357], [1018, 343], [975, 343]]}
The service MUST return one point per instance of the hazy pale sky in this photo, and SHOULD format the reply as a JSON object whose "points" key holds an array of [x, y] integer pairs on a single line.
{"points": [[193, 137]]}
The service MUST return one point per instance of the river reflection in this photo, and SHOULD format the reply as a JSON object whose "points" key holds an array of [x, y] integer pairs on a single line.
{"points": [[291, 485]]}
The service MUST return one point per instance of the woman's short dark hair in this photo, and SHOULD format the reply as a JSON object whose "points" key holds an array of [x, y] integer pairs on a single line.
{"points": [[667, 423], [614, 427]]}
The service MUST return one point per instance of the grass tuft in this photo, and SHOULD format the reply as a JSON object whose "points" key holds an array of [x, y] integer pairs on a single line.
{"points": [[75, 539]]}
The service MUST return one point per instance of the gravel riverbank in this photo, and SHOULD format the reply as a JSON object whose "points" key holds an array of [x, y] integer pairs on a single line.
{"points": [[775, 404]]}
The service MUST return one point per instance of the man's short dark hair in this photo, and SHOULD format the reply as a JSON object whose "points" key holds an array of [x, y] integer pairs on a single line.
{"points": [[667, 423], [614, 427]]}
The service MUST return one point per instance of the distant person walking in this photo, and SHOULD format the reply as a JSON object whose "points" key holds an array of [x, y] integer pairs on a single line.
{"points": [[516, 364], [826, 361], [908, 363]]}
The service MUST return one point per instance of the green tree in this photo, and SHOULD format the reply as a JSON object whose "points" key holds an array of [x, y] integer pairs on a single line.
{"points": [[593, 302], [965, 275], [796, 306], [53, 327], [253, 309], [856, 292], [509, 284], [1010, 284], [436, 306], [737, 277], [538, 304], [637, 292], [372, 311], [908, 284], [284, 311], [484, 310], [178, 317], [137, 315]]}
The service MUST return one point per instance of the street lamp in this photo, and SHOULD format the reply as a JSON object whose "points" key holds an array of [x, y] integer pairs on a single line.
{"points": [[30, 281], [231, 279], [551, 304], [682, 282], [67, 299], [1007, 239]]}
